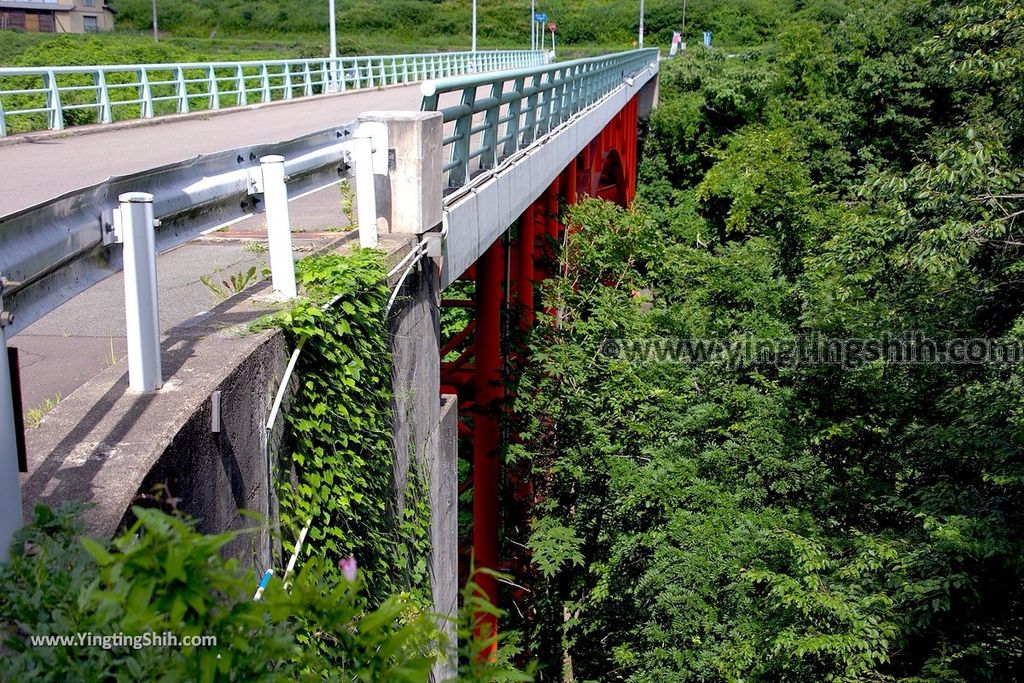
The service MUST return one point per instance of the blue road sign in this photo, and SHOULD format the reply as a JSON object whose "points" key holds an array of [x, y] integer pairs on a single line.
{"points": [[540, 17]]}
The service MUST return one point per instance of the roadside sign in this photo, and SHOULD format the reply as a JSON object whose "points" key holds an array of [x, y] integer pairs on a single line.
{"points": [[551, 26], [540, 16]]}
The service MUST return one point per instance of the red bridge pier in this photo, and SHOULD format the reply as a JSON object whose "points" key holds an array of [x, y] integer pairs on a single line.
{"points": [[503, 297]]}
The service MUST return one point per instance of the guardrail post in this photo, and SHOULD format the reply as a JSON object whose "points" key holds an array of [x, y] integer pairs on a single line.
{"points": [[213, 88], [459, 173], [288, 81], [489, 156], [307, 81], [105, 114], [10, 486], [55, 111], [145, 94], [530, 124], [240, 79], [264, 84], [182, 91], [140, 296], [3, 120], [515, 109], [414, 181], [279, 228], [366, 192], [327, 82]]}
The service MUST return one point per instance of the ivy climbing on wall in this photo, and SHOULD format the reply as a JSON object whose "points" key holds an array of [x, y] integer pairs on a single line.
{"points": [[336, 463]]}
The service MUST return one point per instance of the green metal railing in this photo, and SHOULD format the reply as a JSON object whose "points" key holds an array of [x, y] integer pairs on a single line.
{"points": [[56, 97], [519, 106]]}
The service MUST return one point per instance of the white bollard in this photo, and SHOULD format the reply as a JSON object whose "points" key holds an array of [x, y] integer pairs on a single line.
{"points": [[10, 487], [140, 299], [279, 227], [366, 192]]}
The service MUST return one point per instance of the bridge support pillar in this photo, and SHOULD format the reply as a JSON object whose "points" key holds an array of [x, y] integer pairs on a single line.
{"points": [[486, 427], [409, 198]]}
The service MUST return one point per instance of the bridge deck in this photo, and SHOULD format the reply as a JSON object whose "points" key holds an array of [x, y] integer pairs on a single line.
{"points": [[35, 171], [76, 341]]}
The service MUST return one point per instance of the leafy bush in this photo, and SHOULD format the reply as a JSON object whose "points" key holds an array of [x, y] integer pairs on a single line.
{"points": [[162, 577]]}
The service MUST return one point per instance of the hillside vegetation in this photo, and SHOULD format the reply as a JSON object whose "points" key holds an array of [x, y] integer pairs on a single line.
{"points": [[597, 22], [200, 29], [750, 512]]}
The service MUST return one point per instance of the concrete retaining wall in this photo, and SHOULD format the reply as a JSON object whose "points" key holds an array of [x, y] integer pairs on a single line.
{"points": [[112, 448]]}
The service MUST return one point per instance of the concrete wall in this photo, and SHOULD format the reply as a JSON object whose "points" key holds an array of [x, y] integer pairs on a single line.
{"points": [[220, 473], [106, 445], [415, 330], [110, 447], [444, 531], [426, 427]]}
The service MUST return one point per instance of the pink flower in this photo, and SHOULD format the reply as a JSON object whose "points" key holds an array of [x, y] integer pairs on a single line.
{"points": [[348, 567]]}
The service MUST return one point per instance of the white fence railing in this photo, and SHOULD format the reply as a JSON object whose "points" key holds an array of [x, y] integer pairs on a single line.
{"points": [[56, 97]]}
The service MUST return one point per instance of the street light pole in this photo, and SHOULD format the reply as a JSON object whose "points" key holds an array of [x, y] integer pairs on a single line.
{"points": [[332, 22], [156, 34], [533, 24], [641, 41], [474, 25]]}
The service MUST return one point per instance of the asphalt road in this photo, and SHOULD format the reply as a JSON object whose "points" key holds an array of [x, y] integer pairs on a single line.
{"points": [[35, 171]]}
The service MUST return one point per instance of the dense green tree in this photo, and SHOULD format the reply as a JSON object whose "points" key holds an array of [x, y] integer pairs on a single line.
{"points": [[712, 515]]}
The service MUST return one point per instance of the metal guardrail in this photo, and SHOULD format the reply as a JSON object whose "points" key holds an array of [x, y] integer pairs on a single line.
{"points": [[36, 98], [52, 251], [529, 103]]}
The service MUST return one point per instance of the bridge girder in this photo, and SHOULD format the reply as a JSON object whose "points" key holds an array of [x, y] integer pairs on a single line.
{"points": [[482, 359]]}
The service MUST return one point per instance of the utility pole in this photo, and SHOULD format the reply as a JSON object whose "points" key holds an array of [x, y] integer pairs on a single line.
{"points": [[683, 33], [156, 32], [641, 41]]}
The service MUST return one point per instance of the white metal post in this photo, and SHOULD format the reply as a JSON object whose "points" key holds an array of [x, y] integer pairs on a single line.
{"points": [[366, 193], [533, 24], [279, 227], [641, 41], [140, 299], [474, 31], [333, 85], [10, 487]]}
